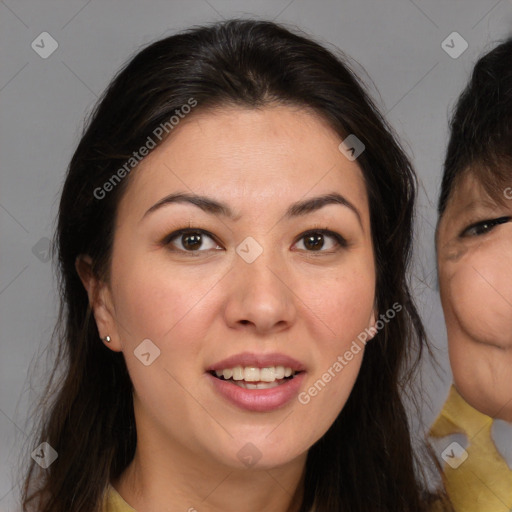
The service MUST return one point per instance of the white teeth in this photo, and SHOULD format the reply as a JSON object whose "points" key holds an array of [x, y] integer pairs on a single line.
{"points": [[253, 374], [268, 374], [238, 373]]}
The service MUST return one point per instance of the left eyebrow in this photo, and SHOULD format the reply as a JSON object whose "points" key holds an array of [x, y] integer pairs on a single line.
{"points": [[315, 203], [218, 208]]}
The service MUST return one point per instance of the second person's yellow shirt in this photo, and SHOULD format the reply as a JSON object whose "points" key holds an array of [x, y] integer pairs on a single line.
{"points": [[113, 502]]}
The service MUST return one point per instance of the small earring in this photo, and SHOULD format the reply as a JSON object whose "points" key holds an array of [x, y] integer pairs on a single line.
{"points": [[107, 339]]}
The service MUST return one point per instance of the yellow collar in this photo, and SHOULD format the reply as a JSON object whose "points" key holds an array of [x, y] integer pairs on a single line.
{"points": [[113, 501], [482, 481]]}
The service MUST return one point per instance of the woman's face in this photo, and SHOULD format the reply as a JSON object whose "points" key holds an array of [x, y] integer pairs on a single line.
{"points": [[245, 287], [474, 248]]}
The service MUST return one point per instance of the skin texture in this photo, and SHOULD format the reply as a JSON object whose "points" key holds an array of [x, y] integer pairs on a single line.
{"points": [[475, 278], [306, 303]]}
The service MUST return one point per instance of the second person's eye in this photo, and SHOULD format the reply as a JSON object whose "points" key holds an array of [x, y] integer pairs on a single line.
{"points": [[483, 227]]}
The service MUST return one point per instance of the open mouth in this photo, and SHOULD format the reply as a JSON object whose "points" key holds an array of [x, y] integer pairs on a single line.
{"points": [[251, 377]]}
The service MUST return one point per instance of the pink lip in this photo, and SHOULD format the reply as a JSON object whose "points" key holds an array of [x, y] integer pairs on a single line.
{"points": [[258, 400], [258, 361]]}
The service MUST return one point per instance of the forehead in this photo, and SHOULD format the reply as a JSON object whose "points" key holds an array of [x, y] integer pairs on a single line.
{"points": [[239, 154], [470, 193], [467, 193]]}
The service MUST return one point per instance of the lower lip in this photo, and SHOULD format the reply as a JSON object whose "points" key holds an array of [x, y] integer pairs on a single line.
{"points": [[259, 400]]}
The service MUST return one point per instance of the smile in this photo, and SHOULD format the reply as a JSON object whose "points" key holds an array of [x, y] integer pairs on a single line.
{"points": [[257, 382], [251, 377]]}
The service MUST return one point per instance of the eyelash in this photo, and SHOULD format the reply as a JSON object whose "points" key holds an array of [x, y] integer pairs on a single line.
{"points": [[340, 240], [484, 226]]}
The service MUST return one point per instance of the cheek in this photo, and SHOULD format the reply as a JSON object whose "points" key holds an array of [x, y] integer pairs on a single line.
{"points": [[347, 304], [337, 313], [480, 293], [334, 315], [153, 302], [173, 310]]}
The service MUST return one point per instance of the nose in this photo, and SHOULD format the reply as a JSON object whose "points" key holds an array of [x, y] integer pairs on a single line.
{"points": [[261, 297]]}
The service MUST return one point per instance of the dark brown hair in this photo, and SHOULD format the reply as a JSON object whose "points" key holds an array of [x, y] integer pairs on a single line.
{"points": [[365, 461]]}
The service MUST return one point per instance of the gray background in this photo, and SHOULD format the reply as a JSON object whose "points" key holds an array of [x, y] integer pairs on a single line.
{"points": [[43, 103]]}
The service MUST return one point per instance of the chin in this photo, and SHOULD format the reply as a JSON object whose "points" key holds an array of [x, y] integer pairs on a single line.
{"points": [[259, 452]]}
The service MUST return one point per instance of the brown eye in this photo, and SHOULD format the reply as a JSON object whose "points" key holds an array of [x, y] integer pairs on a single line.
{"points": [[191, 240], [314, 241]]}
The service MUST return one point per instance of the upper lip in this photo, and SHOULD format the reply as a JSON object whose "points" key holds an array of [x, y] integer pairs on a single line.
{"points": [[258, 361]]}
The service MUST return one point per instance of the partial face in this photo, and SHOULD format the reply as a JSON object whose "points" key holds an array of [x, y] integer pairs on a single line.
{"points": [[475, 273], [268, 285]]}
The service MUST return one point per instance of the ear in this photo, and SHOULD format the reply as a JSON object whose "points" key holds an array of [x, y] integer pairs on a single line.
{"points": [[100, 300]]}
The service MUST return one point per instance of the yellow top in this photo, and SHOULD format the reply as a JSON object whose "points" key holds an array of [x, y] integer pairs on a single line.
{"points": [[478, 478], [113, 502]]}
